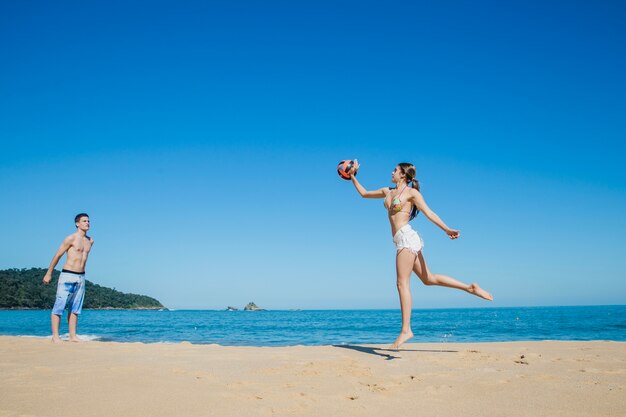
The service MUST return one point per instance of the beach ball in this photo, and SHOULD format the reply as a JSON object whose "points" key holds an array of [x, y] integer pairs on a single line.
{"points": [[344, 168]]}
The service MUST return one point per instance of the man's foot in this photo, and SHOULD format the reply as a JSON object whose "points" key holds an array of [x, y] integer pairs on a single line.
{"points": [[56, 339], [402, 338], [477, 291], [75, 339]]}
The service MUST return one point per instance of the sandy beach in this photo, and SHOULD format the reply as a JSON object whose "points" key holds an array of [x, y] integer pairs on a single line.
{"points": [[475, 379]]}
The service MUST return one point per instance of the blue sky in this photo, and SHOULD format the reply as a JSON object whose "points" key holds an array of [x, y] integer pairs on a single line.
{"points": [[202, 139]]}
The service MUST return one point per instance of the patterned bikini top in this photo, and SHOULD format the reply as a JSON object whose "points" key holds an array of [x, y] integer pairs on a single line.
{"points": [[396, 204]]}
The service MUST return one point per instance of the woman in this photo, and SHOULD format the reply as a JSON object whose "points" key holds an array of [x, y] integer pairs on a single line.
{"points": [[402, 204]]}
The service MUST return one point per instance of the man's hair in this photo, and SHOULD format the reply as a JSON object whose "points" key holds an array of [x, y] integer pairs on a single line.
{"points": [[79, 216]]}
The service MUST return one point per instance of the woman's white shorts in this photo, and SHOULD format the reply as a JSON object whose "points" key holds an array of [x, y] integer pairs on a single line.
{"points": [[407, 238]]}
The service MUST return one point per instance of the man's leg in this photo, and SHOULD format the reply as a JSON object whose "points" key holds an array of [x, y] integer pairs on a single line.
{"points": [[72, 321], [56, 321], [76, 306], [63, 292]]}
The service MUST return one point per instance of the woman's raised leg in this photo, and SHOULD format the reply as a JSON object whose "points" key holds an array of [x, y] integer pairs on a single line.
{"points": [[428, 278]]}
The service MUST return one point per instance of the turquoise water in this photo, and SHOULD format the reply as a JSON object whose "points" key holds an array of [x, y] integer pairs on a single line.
{"points": [[332, 327]]}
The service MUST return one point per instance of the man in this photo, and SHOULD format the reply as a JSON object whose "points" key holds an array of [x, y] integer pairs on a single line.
{"points": [[71, 286]]}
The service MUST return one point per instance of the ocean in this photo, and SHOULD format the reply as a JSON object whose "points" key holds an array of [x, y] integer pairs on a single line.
{"points": [[330, 327]]}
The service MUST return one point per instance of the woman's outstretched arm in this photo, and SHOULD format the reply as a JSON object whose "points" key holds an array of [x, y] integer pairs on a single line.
{"points": [[380, 193], [421, 205]]}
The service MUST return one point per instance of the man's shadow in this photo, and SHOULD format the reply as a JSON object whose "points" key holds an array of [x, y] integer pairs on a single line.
{"points": [[380, 351]]}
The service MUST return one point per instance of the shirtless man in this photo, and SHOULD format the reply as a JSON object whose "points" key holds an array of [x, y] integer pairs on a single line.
{"points": [[71, 286]]}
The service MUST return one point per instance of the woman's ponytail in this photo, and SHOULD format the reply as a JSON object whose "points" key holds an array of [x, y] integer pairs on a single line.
{"points": [[409, 171]]}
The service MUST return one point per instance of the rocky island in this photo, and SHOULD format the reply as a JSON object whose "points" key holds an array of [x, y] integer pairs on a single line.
{"points": [[252, 307]]}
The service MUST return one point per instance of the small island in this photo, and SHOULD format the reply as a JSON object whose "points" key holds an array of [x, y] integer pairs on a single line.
{"points": [[252, 307], [23, 289]]}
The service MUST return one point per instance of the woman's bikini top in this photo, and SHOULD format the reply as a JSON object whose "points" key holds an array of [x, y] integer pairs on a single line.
{"points": [[396, 204]]}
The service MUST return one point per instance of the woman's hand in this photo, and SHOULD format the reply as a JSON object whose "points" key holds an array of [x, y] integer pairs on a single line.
{"points": [[454, 234], [355, 167]]}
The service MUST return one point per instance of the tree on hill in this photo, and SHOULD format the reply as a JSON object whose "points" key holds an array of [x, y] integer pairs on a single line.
{"points": [[23, 289]]}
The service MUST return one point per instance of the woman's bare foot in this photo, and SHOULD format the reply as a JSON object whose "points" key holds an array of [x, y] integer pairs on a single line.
{"points": [[75, 339], [477, 291], [402, 338], [56, 339]]}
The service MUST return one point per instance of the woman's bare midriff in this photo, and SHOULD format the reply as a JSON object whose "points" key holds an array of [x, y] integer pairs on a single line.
{"points": [[398, 221]]}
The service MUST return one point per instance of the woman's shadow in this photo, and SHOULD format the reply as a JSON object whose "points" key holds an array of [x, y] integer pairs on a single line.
{"points": [[380, 351]]}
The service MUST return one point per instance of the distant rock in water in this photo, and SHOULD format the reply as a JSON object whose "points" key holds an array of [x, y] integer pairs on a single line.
{"points": [[231, 308], [24, 289], [253, 307]]}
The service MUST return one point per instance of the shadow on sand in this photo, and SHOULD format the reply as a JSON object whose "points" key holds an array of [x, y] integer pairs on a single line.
{"points": [[388, 356]]}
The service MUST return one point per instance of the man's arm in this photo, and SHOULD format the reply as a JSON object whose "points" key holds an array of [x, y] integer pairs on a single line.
{"points": [[67, 243]]}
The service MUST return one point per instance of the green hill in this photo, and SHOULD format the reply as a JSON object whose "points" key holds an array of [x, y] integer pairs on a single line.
{"points": [[24, 289]]}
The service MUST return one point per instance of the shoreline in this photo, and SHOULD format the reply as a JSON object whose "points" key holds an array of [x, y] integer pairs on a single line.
{"points": [[89, 338], [534, 378]]}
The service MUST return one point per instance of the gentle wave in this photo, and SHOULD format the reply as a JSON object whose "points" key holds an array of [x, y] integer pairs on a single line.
{"points": [[66, 336]]}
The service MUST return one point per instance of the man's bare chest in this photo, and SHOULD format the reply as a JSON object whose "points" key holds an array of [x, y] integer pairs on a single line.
{"points": [[80, 246]]}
